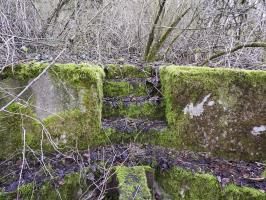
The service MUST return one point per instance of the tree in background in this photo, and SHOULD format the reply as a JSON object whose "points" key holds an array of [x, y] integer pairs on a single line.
{"points": [[177, 31]]}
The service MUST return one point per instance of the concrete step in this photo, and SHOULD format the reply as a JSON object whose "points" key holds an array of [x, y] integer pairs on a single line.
{"points": [[127, 125], [134, 107], [128, 86], [116, 71]]}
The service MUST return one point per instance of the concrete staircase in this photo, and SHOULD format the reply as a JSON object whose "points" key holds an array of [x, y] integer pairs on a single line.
{"points": [[132, 101]]}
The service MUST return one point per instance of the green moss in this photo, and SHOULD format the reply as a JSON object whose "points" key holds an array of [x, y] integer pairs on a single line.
{"points": [[155, 137], [126, 71], [23, 72], [233, 94], [132, 183], [27, 191], [182, 184], [73, 127], [134, 110], [264, 174], [71, 187], [233, 192], [86, 78], [79, 75], [123, 88], [12, 123]]}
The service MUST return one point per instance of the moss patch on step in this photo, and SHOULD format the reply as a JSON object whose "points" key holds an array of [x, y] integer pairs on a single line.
{"points": [[154, 137], [217, 110], [124, 88], [183, 184], [133, 183], [134, 110], [114, 71]]}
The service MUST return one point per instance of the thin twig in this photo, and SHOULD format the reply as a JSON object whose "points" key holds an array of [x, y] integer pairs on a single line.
{"points": [[32, 82]]}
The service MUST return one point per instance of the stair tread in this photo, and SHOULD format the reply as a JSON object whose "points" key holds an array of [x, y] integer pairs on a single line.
{"points": [[132, 99], [152, 80], [129, 125]]}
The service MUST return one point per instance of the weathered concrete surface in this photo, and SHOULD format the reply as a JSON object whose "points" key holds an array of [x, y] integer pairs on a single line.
{"points": [[63, 106], [221, 111]]}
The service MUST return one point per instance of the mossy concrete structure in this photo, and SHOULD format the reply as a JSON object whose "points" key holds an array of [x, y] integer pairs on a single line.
{"points": [[61, 110], [183, 184], [133, 183], [221, 111]]}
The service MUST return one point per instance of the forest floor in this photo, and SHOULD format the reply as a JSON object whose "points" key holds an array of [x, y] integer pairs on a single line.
{"points": [[241, 173]]}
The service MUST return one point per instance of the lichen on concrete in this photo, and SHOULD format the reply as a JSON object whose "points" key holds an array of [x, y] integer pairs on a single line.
{"points": [[224, 122], [132, 183]]}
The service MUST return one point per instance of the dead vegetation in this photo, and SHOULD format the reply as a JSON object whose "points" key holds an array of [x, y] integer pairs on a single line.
{"points": [[106, 31]]}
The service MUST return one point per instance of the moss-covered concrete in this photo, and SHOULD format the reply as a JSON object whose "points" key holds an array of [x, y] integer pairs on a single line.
{"points": [[217, 110], [233, 192], [154, 137], [73, 128], [132, 183], [125, 88], [114, 71], [134, 110], [183, 184], [14, 123], [23, 72]]}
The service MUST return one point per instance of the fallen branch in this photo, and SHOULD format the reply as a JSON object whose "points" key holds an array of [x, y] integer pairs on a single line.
{"points": [[219, 54]]}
